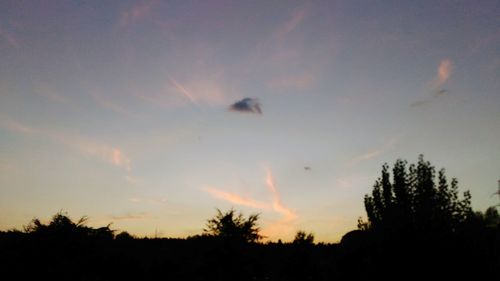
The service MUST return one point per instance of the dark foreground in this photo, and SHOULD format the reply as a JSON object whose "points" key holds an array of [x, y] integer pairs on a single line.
{"points": [[29, 257]]}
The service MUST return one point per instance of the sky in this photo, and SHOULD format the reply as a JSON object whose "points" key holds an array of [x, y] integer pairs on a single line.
{"points": [[152, 114]]}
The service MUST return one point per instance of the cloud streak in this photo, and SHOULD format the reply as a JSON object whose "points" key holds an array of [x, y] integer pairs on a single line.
{"points": [[291, 24], [278, 205], [235, 198], [109, 104], [181, 89], [87, 147], [16, 127], [94, 149], [138, 216], [374, 153], [276, 228], [444, 72], [247, 105]]}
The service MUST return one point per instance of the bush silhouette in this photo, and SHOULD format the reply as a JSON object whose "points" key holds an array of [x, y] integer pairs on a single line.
{"points": [[234, 227], [303, 238], [63, 228]]}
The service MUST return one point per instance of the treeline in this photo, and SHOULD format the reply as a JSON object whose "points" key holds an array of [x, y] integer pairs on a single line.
{"points": [[418, 226]]}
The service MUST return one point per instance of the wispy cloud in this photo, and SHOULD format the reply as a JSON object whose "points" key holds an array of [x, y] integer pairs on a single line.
{"points": [[373, 153], [444, 72], [276, 228], [181, 89], [130, 216], [45, 90], [207, 90], [247, 105], [16, 127], [288, 26], [85, 146], [94, 149], [278, 205], [235, 198], [197, 91], [284, 52], [286, 225], [109, 104]]}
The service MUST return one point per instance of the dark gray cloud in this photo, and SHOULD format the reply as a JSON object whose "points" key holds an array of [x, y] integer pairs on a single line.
{"points": [[247, 105]]}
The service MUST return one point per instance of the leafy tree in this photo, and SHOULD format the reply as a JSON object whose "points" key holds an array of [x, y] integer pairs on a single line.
{"points": [[234, 227], [61, 226], [415, 202], [303, 238], [491, 217]]}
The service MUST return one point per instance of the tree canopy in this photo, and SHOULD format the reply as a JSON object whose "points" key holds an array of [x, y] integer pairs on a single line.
{"points": [[303, 238], [62, 227], [233, 226], [416, 200]]}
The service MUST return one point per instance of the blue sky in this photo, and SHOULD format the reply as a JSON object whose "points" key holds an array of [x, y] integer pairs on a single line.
{"points": [[120, 110]]}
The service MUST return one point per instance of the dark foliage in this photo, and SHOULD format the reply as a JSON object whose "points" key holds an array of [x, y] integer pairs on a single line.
{"points": [[415, 202], [234, 227], [303, 238], [418, 227], [417, 222]]}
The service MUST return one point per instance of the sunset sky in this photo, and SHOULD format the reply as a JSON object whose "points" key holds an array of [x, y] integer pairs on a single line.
{"points": [[121, 110]]}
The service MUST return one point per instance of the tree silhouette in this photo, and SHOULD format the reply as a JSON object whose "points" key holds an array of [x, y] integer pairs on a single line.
{"points": [[62, 227], [234, 227], [303, 238], [414, 202], [491, 217]]}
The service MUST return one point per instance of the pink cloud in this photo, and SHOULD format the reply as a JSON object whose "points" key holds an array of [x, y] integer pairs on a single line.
{"points": [[444, 71], [295, 19], [181, 89], [285, 226], [138, 216], [234, 198], [87, 147], [278, 205], [94, 149]]}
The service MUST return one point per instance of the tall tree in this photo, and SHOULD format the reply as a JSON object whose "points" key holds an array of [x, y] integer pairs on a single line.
{"points": [[415, 201]]}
